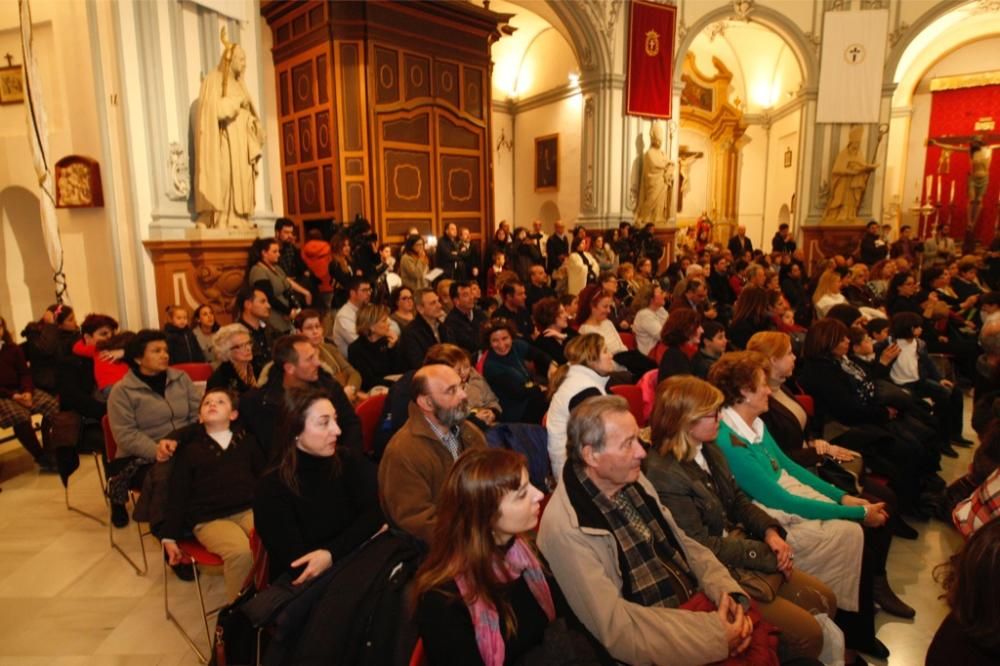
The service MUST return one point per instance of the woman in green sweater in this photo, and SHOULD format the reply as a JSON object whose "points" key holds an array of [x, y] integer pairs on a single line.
{"points": [[824, 524]]}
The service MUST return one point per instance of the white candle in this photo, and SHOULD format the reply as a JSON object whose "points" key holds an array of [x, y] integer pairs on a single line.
{"points": [[939, 190], [930, 185], [951, 198]]}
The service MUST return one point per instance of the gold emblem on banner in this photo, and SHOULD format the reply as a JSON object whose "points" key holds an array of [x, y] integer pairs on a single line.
{"points": [[986, 124], [652, 43], [855, 54]]}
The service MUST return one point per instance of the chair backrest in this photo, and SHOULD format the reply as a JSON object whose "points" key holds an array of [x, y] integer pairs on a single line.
{"points": [[633, 394], [198, 372], [369, 412], [628, 339], [110, 446], [657, 352], [418, 658]]}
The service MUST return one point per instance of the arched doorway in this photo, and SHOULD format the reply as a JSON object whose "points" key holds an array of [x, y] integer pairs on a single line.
{"points": [[947, 76], [739, 130], [22, 250]]}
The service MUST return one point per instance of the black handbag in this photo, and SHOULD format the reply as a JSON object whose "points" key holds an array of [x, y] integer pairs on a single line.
{"points": [[235, 636], [833, 472]]}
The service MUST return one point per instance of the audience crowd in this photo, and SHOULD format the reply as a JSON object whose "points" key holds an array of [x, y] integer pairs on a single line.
{"points": [[584, 453]]}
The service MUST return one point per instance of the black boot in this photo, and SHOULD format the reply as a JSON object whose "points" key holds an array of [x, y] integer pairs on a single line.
{"points": [[25, 434], [889, 602]]}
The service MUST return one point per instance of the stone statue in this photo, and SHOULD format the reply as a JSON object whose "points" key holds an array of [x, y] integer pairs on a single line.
{"points": [[229, 142], [848, 180], [657, 181]]}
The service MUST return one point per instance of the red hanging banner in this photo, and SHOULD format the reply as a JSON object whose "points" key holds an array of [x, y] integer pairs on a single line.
{"points": [[650, 59]]}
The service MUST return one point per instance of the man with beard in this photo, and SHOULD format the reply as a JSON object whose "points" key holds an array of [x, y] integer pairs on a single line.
{"points": [[419, 456]]}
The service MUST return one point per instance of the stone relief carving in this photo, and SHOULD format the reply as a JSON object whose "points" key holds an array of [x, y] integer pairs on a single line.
{"points": [[219, 284], [742, 9], [815, 40], [987, 6], [589, 140], [717, 29], [874, 4], [838, 5], [178, 173], [898, 33], [822, 195]]}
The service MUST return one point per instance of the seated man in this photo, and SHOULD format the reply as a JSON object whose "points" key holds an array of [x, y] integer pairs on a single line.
{"points": [[211, 488], [424, 331], [419, 456], [603, 517]]}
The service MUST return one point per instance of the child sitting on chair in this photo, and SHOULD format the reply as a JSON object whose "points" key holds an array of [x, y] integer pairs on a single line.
{"points": [[211, 487]]}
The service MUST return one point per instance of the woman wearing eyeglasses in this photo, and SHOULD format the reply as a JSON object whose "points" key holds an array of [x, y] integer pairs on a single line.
{"points": [[234, 351]]}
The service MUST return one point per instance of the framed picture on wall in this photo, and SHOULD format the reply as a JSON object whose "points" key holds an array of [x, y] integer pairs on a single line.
{"points": [[547, 163], [788, 157], [11, 85]]}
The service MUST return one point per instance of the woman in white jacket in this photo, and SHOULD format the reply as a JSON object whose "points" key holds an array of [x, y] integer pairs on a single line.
{"points": [[585, 375], [581, 266]]}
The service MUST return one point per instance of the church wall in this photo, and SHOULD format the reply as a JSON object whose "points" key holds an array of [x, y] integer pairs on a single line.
{"points": [[503, 168], [753, 183], [563, 117], [980, 56], [62, 47], [783, 134]]}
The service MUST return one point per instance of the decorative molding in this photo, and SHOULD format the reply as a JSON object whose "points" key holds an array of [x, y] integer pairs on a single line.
{"points": [[682, 30], [589, 142], [966, 80], [178, 173], [742, 10], [874, 4], [717, 29], [898, 33], [987, 7], [816, 41]]}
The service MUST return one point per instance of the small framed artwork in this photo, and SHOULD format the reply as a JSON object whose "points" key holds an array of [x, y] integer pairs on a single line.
{"points": [[788, 157], [11, 85], [547, 163], [78, 183]]}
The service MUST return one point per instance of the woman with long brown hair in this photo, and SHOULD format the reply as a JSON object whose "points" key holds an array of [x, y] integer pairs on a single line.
{"points": [[482, 594], [319, 502], [750, 315]]}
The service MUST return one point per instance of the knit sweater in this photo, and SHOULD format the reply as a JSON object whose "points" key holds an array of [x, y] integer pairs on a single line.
{"points": [[335, 509], [758, 477]]}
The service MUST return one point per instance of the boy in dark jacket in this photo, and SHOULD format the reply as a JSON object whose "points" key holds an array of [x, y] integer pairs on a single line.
{"points": [[211, 486]]}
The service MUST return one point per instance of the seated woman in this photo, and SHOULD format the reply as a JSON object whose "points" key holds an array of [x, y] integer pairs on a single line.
{"points": [[827, 293], [234, 352], [680, 335], [552, 321], [204, 328], [483, 595], [650, 316], [693, 480], [751, 314], [403, 309], [19, 399], [594, 317], [319, 502], [589, 364], [894, 443], [373, 354], [970, 634], [821, 520], [211, 488], [150, 402], [521, 391], [309, 323], [47, 342]]}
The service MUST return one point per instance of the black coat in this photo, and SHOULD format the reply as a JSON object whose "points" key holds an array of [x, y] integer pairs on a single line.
{"points": [[262, 338], [556, 249], [872, 251], [521, 318], [77, 387], [261, 411], [417, 337], [834, 394], [225, 376], [448, 258], [182, 345], [373, 360], [459, 329], [739, 246]]}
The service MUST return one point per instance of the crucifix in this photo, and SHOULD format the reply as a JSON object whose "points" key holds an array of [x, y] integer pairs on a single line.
{"points": [[686, 158], [854, 52]]}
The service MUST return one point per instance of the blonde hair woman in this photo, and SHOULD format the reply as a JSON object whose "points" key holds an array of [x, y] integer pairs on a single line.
{"points": [[827, 292], [589, 363], [693, 480]]}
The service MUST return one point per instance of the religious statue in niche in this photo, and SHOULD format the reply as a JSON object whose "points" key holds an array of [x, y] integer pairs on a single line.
{"points": [[229, 141], [687, 158], [657, 181], [848, 180], [78, 183]]}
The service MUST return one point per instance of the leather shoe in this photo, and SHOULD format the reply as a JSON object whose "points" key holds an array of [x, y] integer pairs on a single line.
{"points": [[119, 515], [889, 602], [903, 530], [877, 649]]}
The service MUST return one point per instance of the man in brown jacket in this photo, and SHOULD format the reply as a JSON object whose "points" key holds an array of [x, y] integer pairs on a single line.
{"points": [[419, 456], [620, 559]]}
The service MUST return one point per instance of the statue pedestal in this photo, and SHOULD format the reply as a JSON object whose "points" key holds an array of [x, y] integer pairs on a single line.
{"points": [[822, 241], [207, 267]]}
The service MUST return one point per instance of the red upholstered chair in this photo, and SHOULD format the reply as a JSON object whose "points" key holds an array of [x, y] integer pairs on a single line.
{"points": [[628, 339], [197, 556], [368, 412], [633, 394], [657, 352], [111, 450], [418, 658], [198, 372]]}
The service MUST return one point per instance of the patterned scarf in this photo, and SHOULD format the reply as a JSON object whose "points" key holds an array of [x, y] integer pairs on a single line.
{"points": [[863, 386], [519, 561], [657, 573]]}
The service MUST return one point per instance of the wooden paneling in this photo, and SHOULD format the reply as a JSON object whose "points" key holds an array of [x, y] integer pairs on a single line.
{"points": [[384, 111]]}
